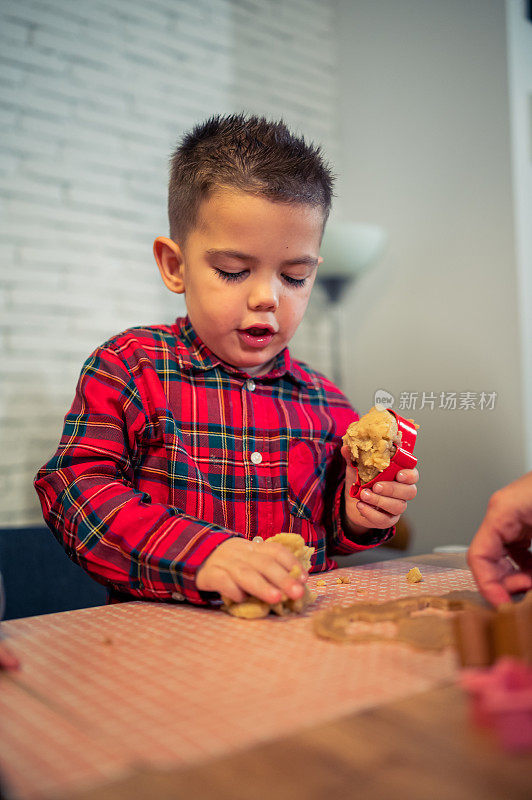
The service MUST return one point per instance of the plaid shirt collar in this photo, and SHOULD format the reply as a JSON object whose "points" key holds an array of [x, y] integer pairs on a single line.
{"points": [[194, 355]]}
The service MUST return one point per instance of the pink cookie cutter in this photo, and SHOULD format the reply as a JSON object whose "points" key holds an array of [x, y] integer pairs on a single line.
{"points": [[501, 700], [401, 459]]}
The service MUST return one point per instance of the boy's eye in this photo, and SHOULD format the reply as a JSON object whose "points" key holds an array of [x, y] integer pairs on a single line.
{"points": [[229, 276], [236, 276], [294, 281]]}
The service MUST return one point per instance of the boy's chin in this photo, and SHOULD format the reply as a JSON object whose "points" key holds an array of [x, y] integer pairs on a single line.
{"points": [[254, 362], [257, 367], [262, 370]]}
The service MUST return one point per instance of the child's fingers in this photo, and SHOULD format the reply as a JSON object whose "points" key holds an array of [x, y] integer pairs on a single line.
{"points": [[407, 476], [281, 568], [376, 518], [389, 504], [278, 554], [257, 585], [282, 578], [216, 579], [401, 491], [238, 568]]}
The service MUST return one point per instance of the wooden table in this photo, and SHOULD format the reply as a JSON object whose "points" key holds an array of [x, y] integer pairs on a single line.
{"points": [[147, 700]]}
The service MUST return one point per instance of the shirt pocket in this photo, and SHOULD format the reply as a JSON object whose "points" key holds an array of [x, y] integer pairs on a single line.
{"points": [[168, 473], [307, 465]]}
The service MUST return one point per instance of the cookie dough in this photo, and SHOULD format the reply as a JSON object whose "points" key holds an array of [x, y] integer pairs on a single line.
{"points": [[414, 575], [372, 441], [253, 608]]}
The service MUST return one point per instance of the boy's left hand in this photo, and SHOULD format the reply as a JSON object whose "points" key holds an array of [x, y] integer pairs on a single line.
{"points": [[382, 505]]}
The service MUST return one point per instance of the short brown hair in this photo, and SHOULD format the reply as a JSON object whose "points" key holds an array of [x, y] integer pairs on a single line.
{"points": [[248, 153]]}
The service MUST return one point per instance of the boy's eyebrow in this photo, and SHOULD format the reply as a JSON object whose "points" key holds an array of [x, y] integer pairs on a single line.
{"points": [[310, 260]]}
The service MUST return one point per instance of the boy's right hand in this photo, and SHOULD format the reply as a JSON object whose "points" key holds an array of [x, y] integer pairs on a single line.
{"points": [[239, 568]]}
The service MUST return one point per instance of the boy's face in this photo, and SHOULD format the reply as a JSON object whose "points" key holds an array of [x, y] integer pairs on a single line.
{"points": [[247, 271]]}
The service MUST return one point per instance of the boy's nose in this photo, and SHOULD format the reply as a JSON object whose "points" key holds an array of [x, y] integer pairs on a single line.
{"points": [[263, 296]]}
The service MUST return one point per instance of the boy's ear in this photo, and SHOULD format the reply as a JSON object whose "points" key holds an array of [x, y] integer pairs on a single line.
{"points": [[170, 261]]}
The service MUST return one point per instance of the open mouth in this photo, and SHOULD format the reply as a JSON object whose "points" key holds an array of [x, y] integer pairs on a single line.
{"points": [[256, 331], [256, 335]]}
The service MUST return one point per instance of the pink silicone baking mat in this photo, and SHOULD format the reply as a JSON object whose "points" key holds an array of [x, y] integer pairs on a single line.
{"points": [[106, 689]]}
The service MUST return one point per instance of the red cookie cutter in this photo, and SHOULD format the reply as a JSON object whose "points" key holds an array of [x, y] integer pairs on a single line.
{"points": [[402, 458]]}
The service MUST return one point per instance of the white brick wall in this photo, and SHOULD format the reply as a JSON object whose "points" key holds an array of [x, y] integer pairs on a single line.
{"points": [[92, 99]]}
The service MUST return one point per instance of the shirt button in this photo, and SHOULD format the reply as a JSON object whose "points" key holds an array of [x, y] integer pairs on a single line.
{"points": [[256, 458], [250, 385]]}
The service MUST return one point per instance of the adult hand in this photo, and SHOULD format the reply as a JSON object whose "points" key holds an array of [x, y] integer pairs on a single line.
{"points": [[238, 568], [499, 555]]}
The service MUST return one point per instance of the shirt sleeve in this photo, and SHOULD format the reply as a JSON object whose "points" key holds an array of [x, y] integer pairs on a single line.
{"points": [[89, 501]]}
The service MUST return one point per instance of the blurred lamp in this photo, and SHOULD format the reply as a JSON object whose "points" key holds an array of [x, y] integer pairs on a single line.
{"points": [[348, 249]]}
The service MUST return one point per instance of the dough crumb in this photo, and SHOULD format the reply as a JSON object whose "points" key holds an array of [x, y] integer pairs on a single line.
{"points": [[343, 579], [414, 575], [320, 582]]}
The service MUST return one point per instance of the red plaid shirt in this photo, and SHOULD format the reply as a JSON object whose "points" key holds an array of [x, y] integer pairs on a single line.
{"points": [[167, 452]]}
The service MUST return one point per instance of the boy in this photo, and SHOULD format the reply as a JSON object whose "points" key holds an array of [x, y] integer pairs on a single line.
{"points": [[187, 445]]}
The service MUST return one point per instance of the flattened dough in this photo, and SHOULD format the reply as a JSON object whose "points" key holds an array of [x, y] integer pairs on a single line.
{"points": [[425, 632]]}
